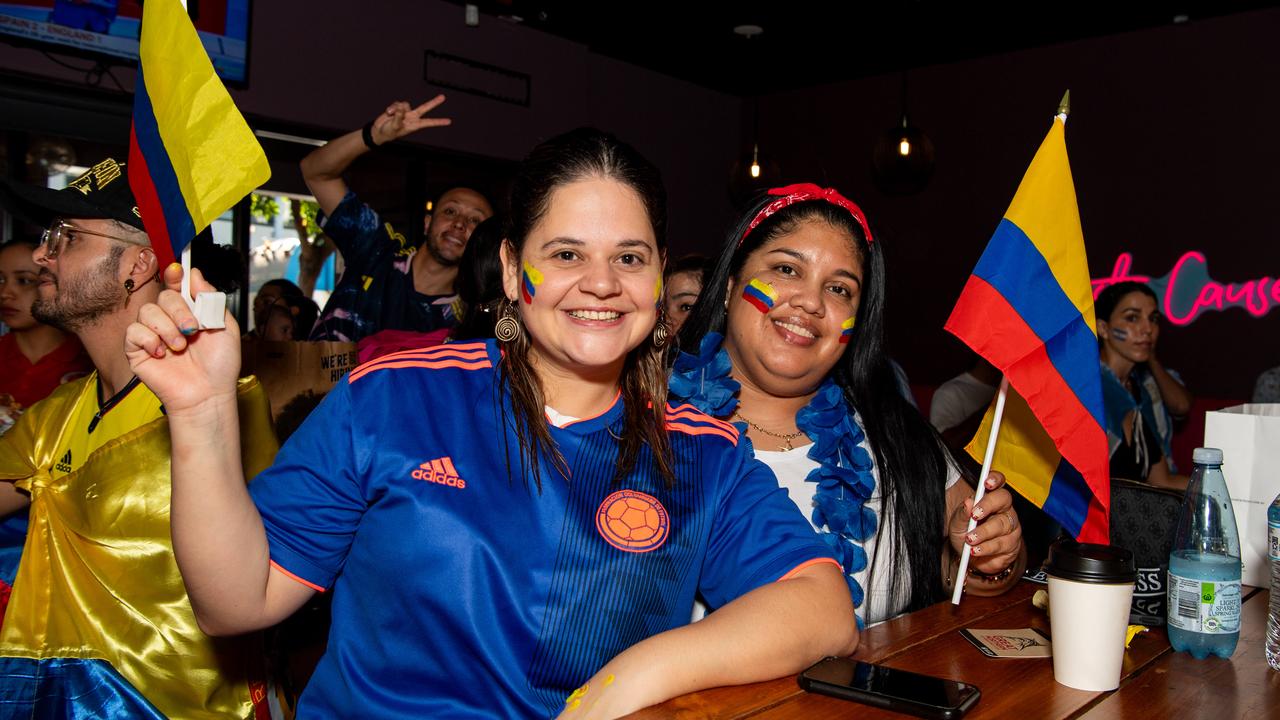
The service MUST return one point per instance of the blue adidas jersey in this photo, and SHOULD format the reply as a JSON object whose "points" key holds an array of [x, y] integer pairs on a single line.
{"points": [[462, 590]]}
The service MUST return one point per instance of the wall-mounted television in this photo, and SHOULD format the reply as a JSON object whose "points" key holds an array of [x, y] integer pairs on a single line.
{"points": [[109, 28]]}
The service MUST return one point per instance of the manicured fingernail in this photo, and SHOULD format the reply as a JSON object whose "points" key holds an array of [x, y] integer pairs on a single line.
{"points": [[973, 538], [188, 328], [991, 484], [978, 512], [175, 265], [977, 549]]}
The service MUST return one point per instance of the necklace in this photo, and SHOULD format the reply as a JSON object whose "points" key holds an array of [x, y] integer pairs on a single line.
{"points": [[785, 438], [112, 401], [844, 475]]}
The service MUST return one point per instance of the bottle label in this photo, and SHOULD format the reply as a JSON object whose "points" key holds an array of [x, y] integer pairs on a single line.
{"points": [[1273, 540], [1204, 606]]}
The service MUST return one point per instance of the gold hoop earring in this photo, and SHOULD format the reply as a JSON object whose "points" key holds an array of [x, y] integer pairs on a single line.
{"points": [[507, 329]]}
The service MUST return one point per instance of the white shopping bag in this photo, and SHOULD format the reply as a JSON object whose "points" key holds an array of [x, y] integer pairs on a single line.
{"points": [[1249, 436]]}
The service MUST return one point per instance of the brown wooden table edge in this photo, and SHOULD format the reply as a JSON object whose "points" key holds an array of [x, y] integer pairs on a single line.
{"points": [[1022, 592]]}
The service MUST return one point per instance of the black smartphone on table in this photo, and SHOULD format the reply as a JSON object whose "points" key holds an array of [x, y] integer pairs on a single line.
{"points": [[890, 688]]}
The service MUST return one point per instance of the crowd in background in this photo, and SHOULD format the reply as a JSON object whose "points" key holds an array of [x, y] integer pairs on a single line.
{"points": [[564, 442]]}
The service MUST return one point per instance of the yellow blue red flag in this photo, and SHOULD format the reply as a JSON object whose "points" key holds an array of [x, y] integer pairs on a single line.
{"points": [[1028, 309], [191, 154]]}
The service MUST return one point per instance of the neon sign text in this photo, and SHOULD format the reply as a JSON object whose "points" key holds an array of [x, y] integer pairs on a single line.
{"points": [[1187, 291]]}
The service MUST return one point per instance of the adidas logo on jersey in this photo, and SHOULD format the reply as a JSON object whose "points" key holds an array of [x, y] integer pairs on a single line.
{"points": [[64, 465], [441, 472]]}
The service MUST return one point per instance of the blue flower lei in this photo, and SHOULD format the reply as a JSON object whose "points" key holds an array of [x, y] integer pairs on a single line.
{"points": [[843, 475]]}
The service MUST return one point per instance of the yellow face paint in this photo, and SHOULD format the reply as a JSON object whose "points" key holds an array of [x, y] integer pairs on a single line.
{"points": [[608, 681]]}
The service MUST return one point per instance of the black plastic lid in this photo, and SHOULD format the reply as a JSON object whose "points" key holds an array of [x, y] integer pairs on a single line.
{"points": [[1086, 562]]}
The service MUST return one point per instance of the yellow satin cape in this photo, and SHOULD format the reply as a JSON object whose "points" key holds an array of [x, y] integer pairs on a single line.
{"points": [[98, 578]]}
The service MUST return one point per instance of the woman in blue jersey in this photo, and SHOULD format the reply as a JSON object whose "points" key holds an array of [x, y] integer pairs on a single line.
{"points": [[514, 528], [787, 339]]}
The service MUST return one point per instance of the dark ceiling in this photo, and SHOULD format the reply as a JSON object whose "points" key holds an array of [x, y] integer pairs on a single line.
{"points": [[812, 43]]}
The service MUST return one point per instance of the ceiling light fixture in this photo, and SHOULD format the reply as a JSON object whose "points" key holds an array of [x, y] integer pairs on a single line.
{"points": [[902, 160], [748, 31]]}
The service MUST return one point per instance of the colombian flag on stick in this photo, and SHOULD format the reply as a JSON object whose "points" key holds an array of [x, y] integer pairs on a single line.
{"points": [[1028, 309], [191, 154]]}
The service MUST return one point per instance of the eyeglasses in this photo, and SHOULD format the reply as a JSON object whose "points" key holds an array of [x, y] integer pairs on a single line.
{"points": [[54, 239]]}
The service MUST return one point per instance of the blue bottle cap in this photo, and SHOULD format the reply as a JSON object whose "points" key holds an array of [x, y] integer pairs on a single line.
{"points": [[1206, 456]]}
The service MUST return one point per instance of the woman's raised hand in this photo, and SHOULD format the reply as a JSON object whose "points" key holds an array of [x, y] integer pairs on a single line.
{"points": [[997, 538], [182, 365]]}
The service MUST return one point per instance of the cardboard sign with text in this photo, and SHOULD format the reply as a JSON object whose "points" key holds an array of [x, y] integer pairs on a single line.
{"points": [[287, 369]]}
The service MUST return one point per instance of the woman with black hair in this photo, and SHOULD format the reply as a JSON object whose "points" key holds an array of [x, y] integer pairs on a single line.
{"points": [[503, 522], [787, 338], [1140, 395], [479, 281]]}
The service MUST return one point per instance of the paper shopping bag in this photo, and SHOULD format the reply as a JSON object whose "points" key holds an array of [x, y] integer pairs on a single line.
{"points": [[1249, 436]]}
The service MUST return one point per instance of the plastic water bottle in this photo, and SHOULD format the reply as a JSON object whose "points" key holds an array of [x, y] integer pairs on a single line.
{"points": [[1273, 615], [1204, 567]]}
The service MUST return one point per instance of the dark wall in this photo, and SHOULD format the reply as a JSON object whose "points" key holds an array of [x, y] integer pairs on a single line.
{"points": [[1172, 149], [330, 65]]}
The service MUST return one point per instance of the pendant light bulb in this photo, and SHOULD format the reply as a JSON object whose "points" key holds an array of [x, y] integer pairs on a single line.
{"points": [[755, 162]]}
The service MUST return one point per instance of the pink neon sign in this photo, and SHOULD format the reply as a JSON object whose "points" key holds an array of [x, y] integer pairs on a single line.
{"points": [[1187, 291]]}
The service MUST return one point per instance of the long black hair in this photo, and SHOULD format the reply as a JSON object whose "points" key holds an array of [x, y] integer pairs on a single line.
{"points": [[479, 283], [909, 454]]}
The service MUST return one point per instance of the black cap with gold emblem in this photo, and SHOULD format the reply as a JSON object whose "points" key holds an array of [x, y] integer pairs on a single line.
{"points": [[102, 192]]}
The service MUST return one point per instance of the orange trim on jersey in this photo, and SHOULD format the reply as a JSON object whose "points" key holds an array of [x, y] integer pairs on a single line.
{"points": [[291, 576], [694, 413], [688, 412], [809, 563], [593, 417], [468, 351], [428, 364], [702, 430]]}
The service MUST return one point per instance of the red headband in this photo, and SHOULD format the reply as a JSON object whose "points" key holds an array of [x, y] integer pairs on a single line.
{"points": [[802, 192]]}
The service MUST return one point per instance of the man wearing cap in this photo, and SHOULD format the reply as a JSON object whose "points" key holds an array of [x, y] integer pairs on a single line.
{"points": [[99, 623], [388, 284]]}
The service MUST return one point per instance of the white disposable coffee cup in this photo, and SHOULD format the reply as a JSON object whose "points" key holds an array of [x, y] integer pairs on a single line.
{"points": [[1090, 590]]}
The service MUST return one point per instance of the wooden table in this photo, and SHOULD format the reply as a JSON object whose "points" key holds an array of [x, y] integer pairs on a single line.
{"points": [[1156, 682]]}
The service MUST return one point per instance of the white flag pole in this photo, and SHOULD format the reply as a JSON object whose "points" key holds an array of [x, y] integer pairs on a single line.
{"points": [[982, 486]]}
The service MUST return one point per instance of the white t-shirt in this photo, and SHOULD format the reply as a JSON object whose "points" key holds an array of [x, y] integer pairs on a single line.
{"points": [[791, 467], [958, 398]]}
